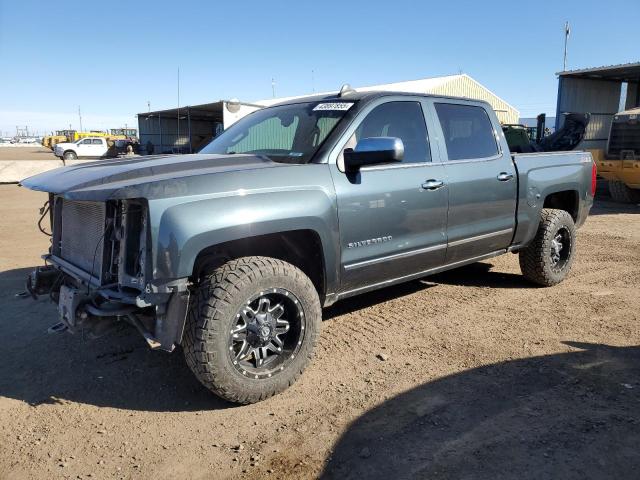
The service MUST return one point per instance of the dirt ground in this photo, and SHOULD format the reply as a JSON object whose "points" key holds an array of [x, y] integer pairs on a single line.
{"points": [[30, 152], [469, 374]]}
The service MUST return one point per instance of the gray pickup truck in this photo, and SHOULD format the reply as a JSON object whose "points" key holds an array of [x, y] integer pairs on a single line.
{"points": [[232, 252]]}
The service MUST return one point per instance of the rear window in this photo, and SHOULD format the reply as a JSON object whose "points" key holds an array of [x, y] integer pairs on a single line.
{"points": [[468, 132]]}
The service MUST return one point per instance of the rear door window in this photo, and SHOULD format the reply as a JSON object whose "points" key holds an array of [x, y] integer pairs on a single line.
{"points": [[96, 141], [467, 130]]}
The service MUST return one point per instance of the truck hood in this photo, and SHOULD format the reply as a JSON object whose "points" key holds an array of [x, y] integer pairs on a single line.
{"points": [[65, 144], [128, 177]]}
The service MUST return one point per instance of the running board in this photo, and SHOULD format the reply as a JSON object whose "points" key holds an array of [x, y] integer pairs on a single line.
{"points": [[414, 276]]}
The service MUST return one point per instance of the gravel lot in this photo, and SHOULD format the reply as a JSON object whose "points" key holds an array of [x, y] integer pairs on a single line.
{"points": [[27, 152], [468, 374]]}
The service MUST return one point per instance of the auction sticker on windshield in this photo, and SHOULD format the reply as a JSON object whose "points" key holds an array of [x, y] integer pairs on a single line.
{"points": [[341, 106]]}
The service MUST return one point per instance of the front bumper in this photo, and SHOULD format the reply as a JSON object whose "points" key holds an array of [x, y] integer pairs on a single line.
{"points": [[158, 313]]}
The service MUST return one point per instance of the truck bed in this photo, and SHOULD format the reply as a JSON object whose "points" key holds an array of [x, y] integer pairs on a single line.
{"points": [[540, 175]]}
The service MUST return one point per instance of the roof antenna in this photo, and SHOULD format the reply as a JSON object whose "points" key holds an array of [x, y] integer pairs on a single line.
{"points": [[346, 90]]}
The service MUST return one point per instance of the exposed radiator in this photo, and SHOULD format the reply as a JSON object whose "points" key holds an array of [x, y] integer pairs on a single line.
{"points": [[81, 239]]}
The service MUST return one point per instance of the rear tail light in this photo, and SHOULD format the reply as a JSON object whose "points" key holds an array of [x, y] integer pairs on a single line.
{"points": [[594, 174]]}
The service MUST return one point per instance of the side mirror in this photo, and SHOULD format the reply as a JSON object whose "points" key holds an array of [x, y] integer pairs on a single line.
{"points": [[373, 151]]}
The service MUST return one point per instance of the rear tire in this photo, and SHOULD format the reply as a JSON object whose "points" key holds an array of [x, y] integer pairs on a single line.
{"points": [[621, 193], [548, 259], [280, 310]]}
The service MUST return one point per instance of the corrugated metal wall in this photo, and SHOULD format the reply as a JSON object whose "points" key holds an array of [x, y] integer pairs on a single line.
{"points": [[465, 86], [600, 98], [163, 133]]}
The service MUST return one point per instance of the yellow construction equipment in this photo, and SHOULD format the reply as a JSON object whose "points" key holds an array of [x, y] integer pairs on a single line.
{"points": [[620, 163], [50, 141]]}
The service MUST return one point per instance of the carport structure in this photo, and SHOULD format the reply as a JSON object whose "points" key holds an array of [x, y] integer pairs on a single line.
{"points": [[600, 91], [187, 129]]}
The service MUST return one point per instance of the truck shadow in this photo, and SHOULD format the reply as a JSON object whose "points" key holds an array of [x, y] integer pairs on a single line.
{"points": [[473, 275], [567, 415], [606, 206], [375, 297], [480, 275], [117, 370]]}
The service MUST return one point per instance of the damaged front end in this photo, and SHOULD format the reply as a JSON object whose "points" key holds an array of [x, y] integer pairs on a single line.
{"points": [[99, 272]]}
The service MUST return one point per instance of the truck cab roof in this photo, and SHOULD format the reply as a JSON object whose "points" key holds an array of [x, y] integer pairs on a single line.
{"points": [[356, 96]]}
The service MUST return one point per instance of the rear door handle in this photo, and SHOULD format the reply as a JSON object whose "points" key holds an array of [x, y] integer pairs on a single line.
{"points": [[504, 176], [432, 184]]}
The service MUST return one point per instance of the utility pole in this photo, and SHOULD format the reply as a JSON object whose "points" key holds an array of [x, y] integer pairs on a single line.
{"points": [[313, 82], [273, 87], [148, 106], [567, 32], [178, 134], [80, 117]]}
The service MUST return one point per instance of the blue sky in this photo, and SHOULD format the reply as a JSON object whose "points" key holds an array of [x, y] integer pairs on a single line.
{"points": [[111, 58]]}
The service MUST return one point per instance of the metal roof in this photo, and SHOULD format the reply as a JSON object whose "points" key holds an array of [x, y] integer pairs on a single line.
{"points": [[357, 95], [422, 86], [460, 86], [449, 86], [416, 86], [625, 72], [205, 111]]}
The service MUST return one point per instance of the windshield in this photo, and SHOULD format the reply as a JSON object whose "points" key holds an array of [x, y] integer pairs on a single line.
{"points": [[288, 133]]}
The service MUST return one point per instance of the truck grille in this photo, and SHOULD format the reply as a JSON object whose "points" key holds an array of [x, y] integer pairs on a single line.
{"points": [[81, 236]]}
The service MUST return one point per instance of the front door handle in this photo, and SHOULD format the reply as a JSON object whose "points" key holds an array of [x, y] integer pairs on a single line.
{"points": [[504, 176], [432, 184]]}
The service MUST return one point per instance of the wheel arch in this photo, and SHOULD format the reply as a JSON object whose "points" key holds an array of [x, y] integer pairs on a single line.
{"points": [[568, 200], [301, 248]]}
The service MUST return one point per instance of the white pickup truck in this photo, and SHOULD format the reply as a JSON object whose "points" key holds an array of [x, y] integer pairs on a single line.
{"points": [[89, 147]]}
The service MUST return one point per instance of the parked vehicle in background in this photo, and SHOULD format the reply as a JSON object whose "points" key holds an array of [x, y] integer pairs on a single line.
{"points": [[565, 139], [620, 163], [517, 136], [232, 252], [25, 140], [90, 147]]}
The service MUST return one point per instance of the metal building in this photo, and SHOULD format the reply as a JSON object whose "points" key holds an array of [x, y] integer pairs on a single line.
{"points": [[451, 85], [601, 92], [186, 129]]}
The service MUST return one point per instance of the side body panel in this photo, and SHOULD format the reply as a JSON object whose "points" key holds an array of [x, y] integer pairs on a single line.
{"points": [[542, 174], [482, 208], [389, 224], [245, 206]]}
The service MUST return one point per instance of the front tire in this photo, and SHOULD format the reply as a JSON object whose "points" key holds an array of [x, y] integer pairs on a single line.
{"points": [[69, 155], [251, 329], [548, 259]]}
